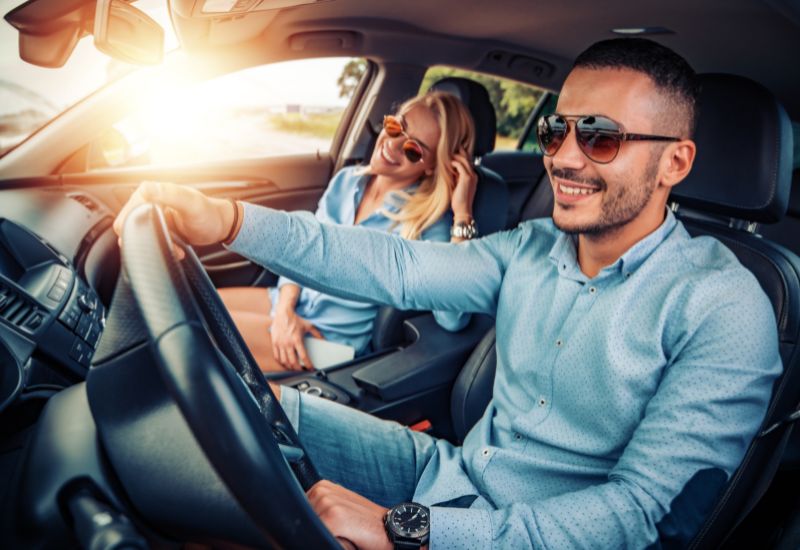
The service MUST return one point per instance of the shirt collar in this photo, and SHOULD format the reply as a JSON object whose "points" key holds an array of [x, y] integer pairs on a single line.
{"points": [[392, 202], [564, 253]]}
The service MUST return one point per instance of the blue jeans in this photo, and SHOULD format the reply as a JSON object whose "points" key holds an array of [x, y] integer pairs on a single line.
{"points": [[378, 459]]}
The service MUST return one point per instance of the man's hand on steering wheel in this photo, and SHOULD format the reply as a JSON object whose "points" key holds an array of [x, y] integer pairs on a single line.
{"points": [[199, 219], [355, 521]]}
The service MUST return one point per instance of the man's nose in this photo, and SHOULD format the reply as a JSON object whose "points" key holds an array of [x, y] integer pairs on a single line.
{"points": [[569, 155]]}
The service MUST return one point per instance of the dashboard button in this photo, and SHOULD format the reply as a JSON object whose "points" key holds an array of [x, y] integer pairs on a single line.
{"points": [[86, 302], [84, 326], [94, 335], [56, 293], [79, 350]]}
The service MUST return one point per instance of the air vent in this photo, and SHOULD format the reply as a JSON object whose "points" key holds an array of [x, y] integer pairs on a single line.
{"points": [[18, 311], [84, 200]]}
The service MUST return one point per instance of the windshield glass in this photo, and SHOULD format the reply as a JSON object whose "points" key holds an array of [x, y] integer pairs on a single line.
{"points": [[30, 96]]}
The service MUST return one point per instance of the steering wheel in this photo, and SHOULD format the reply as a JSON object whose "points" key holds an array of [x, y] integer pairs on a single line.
{"points": [[218, 387]]}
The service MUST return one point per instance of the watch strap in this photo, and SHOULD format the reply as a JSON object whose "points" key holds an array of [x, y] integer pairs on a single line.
{"points": [[464, 230]]}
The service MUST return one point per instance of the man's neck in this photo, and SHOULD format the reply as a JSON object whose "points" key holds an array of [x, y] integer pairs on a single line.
{"points": [[598, 251]]}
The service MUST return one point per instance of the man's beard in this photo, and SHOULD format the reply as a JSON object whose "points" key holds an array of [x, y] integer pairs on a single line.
{"points": [[623, 205]]}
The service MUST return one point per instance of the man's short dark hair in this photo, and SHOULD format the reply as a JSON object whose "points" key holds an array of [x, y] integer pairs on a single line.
{"points": [[670, 72]]}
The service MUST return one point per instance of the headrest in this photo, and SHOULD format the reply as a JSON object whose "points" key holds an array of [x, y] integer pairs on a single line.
{"points": [[743, 167], [476, 98]]}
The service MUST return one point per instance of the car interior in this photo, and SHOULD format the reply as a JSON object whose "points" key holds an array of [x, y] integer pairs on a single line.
{"points": [[174, 435]]}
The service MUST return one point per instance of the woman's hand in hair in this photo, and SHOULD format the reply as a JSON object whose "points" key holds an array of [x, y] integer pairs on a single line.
{"points": [[466, 184]]}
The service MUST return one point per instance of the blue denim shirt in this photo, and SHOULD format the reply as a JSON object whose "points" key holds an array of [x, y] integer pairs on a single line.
{"points": [[618, 399], [350, 321]]}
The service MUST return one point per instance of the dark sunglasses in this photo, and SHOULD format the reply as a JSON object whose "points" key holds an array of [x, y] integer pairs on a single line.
{"points": [[393, 126], [599, 137]]}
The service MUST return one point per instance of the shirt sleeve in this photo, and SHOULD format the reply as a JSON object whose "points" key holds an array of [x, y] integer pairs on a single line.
{"points": [[323, 212], [448, 320], [694, 433], [375, 266]]}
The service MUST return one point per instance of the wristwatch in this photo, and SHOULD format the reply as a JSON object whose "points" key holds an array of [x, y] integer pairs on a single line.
{"points": [[408, 525], [464, 230]]}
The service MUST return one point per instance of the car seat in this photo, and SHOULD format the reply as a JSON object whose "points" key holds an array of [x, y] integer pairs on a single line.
{"points": [[490, 206], [741, 178]]}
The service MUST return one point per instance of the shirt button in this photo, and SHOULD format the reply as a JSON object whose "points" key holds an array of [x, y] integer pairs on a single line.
{"points": [[542, 401], [559, 343], [517, 436], [486, 452], [592, 290]]}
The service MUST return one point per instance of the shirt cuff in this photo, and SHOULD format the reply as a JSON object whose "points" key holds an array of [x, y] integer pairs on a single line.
{"points": [[263, 231], [460, 528]]}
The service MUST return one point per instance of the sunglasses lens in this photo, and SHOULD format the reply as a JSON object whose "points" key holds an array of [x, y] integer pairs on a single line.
{"points": [[412, 151], [392, 126], [551, 132], [599, 138]]}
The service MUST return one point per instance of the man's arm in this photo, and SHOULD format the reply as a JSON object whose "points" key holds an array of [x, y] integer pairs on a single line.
{"points": [[695, 431], [377, 267]]}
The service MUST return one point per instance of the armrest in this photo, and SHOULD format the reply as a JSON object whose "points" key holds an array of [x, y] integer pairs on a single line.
{"points": [[434, 358]]}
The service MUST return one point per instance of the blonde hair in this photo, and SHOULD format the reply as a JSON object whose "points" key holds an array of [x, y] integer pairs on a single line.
{"points": [[432, 198]]}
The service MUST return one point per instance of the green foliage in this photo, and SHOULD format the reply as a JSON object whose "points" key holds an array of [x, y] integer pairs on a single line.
{"points": [[351, 76], [318, 125], [513, 102]]}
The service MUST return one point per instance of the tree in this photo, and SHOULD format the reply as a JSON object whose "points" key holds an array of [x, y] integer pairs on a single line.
{"points": [[513, 102], [351, 76]]}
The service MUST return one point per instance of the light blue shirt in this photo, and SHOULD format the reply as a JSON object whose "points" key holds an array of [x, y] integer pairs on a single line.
{"points": [[622, 403], [350, 321]]}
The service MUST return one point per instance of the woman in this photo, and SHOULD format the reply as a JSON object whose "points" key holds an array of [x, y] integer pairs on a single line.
{"points": [[419, 181]]}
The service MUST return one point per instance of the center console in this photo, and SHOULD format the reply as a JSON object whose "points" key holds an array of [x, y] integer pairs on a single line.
{"points": [[45, 307]]}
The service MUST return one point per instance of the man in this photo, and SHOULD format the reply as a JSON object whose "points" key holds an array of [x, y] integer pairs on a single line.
{"points": [[634, 363]]}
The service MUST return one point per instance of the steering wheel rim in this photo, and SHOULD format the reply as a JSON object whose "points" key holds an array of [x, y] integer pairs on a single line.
{"points": [[228, 406]]}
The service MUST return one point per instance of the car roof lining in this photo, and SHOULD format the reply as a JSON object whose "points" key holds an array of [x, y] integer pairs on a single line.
{"points": [[745, 37]]}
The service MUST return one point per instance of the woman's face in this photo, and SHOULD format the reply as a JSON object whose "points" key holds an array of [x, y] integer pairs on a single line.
{"points": [[388, 158]]}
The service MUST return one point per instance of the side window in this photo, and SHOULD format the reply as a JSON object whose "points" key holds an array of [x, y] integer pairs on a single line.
{"points": [[279, 109], [547, 107], [513, 101]]}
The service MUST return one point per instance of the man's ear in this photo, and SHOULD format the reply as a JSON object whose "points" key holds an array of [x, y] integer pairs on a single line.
{"points": [[677, 161]]}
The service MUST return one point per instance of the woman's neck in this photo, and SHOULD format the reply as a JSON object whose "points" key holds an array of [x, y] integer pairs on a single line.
{"points": [[381, 184]]}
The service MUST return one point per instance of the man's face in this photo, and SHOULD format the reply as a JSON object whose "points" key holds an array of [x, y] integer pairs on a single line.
{"points": [[596, 199]]}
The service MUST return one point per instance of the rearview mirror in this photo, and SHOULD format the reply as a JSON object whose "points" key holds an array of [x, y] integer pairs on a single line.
{"points": [[127, 34], [50, 29]]}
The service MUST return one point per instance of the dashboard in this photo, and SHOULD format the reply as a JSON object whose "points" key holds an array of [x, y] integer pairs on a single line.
{"points": [[58, 265]]}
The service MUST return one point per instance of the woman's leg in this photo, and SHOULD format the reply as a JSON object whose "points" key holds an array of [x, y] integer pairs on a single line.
{"points": [[250, 309]]}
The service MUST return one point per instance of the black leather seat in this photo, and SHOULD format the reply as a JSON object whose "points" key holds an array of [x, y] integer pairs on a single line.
{"points": [[787, 231], [490, 206], [741, 178]]}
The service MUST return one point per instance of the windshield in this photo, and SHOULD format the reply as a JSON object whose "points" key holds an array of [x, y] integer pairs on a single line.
{"points": [[30, 96]]}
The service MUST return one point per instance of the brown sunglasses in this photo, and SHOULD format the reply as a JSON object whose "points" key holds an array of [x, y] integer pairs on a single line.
{"points": [[599, 137], [393, 126]]}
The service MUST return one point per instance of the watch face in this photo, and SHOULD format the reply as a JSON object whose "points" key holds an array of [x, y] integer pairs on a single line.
{"points": [[410, 520]]}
